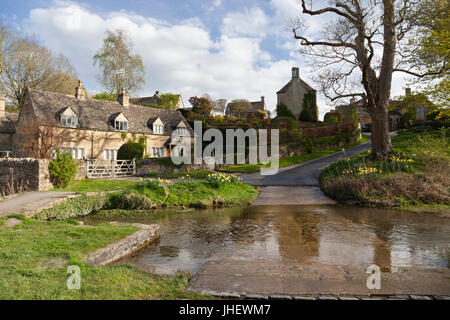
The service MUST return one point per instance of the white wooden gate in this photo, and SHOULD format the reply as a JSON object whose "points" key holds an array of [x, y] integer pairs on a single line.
{"points": [[110, 168]]}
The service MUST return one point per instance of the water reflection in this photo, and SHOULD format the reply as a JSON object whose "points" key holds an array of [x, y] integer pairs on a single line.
{"points": [[297, 235]]}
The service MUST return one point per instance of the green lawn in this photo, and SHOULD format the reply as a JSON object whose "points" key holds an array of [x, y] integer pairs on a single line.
{"points": [[290, 161], [88, 185], [34, 257]]}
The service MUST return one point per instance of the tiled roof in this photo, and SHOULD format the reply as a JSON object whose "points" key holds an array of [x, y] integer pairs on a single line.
{"points": [[99, 114], [302, 83], [8, 123]]}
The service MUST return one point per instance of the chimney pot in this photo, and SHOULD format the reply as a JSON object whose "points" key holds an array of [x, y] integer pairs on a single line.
{"points": [[2, 107], [124, 98]]}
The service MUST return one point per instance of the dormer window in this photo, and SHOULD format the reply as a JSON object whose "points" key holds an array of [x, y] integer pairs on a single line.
{"points": [[68, 118], [121, 123], [158, 129], [158, 126], [182, 132], [69, 121]]}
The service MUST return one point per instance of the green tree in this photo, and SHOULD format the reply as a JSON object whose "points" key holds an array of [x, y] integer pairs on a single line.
{"points": [[429, 50], [120, 68], [105, 96]]}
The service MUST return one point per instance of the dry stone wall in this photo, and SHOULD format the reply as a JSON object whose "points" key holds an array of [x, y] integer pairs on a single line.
{"points": [[31, 174]]}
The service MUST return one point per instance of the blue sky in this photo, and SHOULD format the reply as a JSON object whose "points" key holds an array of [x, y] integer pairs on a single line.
{"points": [[226, 48]]}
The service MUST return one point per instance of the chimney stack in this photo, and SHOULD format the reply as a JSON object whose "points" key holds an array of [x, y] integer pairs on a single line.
{"points": [[263, 100], [79, 91], [408, 91], [2, 107], [295, 73], [124, 98]]}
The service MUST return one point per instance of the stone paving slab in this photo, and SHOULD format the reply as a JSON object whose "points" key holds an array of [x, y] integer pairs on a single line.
{"points": [[269, 278], [273, 195]]}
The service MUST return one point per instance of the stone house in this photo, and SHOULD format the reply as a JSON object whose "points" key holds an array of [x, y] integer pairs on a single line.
{"points": [[293, 94], [7, 128], [96, 129], [394, 115], [256, 106], [154, 100]]}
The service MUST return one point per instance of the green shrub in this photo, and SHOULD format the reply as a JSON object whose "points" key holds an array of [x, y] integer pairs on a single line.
{"points": [[306, 115], [76, 207], [283, 111], [132, 202], [130, 150], [63, 169]]}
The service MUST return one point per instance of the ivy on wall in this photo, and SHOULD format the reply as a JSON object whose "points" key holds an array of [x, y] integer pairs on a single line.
{"points": [[310, 103]]}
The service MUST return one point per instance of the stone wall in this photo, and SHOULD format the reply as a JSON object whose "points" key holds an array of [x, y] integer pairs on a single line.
{"points": [[30, 173]]}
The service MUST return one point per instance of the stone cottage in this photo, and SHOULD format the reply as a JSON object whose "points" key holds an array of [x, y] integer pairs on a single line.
{"points": [[293, 93], [154, 100], [256, 106], [7, 128], [96, 129]]}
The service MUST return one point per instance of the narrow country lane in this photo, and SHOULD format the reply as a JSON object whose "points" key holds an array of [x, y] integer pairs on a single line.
{"points": [[299, 184]]}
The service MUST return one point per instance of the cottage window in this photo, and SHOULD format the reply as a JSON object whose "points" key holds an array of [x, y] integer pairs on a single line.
{"points": [[121, 125], [158, 152], [110, 154], [69, 121], [158, 129], [182, 132], [76, 152]]}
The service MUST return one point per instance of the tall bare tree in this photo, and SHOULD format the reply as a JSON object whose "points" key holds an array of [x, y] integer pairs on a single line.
{"points": [[28, 65], [360, 44], [120, 68]]}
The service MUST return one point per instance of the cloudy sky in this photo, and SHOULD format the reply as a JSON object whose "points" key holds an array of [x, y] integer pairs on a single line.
{"points": [[226, 48]]}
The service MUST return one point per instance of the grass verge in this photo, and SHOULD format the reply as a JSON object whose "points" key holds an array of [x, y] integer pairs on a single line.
{"points": [[414, 177], [91, 185], [34, 257]]}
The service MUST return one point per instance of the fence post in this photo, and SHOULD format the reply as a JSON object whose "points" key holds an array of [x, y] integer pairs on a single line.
{"points": [[134, 167], [86, 168], [113, 168]]}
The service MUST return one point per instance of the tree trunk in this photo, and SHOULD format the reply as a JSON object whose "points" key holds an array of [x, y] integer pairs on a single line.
{"points": [[381, 140]]}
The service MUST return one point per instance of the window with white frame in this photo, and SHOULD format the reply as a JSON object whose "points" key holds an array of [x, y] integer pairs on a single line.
{"points": [[158, 129], [121, 125], [76, 152], [182, 132], [69, 121], [110, 154], [158, 152]]}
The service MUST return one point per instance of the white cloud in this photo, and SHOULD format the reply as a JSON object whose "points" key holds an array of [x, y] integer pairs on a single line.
{"points": [[253, 22], [179, 57]]}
